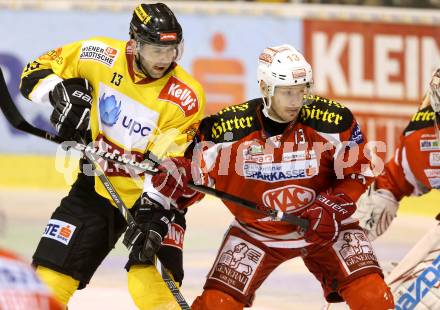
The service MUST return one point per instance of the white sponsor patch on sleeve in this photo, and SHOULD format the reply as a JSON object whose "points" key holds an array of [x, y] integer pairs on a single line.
{"points": [[99, 51], [59, 231]]}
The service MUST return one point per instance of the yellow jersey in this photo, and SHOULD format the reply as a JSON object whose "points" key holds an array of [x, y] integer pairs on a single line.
{"points": [[131, 114]]}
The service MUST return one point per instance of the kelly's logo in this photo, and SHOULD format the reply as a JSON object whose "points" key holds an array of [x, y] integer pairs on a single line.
{"points": [[174, 237], [180, 94]]}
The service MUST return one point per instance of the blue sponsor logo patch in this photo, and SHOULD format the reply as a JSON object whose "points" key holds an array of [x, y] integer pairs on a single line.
{"points": [[109, 112], [109, 109], [356, 135], [425, 281]]}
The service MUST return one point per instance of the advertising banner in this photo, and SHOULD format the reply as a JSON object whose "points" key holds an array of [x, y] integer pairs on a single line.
{"points": [[380, 70], [221, 51]]}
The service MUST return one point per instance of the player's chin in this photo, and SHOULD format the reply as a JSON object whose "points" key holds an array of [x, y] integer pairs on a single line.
{"points": [[290, 115], [158, 71]]}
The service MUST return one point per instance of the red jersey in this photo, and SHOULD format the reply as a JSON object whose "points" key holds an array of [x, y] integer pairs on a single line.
{"points": [[415, 166], [322, 151], [20, 288]]}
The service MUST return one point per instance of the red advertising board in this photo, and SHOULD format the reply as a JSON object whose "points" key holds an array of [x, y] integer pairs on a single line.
{"points": [[380, 70]]}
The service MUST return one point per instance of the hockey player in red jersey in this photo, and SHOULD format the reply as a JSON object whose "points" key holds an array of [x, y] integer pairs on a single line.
{"points": [[294, 152], [414, 170], [20, 288]]}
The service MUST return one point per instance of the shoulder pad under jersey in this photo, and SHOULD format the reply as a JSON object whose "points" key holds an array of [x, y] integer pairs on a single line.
{"points": [[235, 121], [422, 119], [325, 115]]}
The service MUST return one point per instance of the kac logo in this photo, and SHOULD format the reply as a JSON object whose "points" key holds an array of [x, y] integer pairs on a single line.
{"points": [[289, 198]]}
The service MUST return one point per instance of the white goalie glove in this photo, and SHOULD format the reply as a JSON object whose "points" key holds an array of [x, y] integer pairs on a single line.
{"points": [[375, 211]]}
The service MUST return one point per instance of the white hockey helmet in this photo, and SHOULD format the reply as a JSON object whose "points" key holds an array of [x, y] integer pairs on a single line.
{"points": [[282, 65]]}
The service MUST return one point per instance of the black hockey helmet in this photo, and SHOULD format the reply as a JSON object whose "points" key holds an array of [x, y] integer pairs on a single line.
{"points": [[155, 24]]}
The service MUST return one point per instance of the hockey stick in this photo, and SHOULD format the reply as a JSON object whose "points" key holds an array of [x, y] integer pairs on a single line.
{"points": [[415, 281], [132, 223], [278, 215], [15, 118]]}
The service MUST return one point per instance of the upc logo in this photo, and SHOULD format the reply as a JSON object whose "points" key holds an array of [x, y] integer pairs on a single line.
{"points": [[110, 110], [135, 127]]}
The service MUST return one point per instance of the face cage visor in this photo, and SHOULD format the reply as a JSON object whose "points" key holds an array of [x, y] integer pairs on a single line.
{"points": [[437, 126], [267, 102], [434, 101], [159, 54]]}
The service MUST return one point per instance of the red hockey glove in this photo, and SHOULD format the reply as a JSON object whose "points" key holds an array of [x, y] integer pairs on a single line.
{"points": [[325, 216], [172, 180]]}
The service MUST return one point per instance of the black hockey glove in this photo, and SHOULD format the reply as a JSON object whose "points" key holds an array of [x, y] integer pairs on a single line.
{"points": [[152, 221], [72, 100]]}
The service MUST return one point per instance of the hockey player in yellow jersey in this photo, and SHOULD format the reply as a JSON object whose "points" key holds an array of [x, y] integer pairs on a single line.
{"points": [[124, 96]]}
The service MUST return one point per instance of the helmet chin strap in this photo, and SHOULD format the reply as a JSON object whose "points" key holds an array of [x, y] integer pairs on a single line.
{"points": [[437, 126], [139, 65], [137, 59], [436, 122], [434, 101], [267, 104]]}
